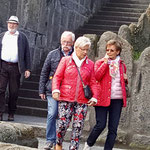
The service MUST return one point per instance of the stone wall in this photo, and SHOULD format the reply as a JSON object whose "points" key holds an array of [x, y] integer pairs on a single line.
{"points": [[44, 20]]}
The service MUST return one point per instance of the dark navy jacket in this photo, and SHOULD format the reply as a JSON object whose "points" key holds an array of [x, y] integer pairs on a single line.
{"points": [[48, 71], [24, 61]]}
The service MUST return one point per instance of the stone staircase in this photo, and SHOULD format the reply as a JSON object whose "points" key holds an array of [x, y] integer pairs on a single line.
{"points": [[110, 18], [29, 102], [113, 15]]}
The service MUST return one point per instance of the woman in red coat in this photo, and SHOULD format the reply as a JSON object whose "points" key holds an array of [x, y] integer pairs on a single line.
{"points": [[68, 89], [110, 72]]}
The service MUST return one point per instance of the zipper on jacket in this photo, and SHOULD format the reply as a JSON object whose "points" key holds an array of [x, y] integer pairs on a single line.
{"points": [[77, 87]]}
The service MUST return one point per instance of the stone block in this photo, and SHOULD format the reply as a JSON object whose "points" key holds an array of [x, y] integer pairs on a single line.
{"points": [[8, 146], [17, 133]]}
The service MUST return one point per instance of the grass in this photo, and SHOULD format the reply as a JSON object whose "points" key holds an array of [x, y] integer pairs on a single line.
{"points": [[136, 55]]}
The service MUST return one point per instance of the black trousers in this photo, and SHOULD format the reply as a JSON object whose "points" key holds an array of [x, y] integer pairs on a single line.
{"points": [[114, 111], [9, 77]]}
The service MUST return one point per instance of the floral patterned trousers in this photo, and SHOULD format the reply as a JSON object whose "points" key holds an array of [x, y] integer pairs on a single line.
{"points": [[65, 112]]}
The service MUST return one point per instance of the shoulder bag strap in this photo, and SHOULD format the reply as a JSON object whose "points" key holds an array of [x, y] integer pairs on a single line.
{"points": [[80, 75]]}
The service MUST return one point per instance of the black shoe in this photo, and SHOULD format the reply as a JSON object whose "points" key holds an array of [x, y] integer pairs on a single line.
{"points": [[1, 117], [11, 117]]}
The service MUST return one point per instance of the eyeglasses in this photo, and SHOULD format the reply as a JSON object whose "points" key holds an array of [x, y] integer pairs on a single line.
{"points": [[110, 50], [82, 49], [66, 42]]}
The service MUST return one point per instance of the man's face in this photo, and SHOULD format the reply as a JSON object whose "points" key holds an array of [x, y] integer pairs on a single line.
{"points": [[12, 27], [67, 43]]}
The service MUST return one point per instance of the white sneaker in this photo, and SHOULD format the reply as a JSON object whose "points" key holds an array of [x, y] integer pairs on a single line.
{"points": [[86, 147]]}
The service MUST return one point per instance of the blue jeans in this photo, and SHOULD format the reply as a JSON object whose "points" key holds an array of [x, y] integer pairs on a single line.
{"points": [[51, 120], [114, 111]]}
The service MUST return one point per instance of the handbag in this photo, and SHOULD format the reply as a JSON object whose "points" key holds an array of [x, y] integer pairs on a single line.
{"points": [[86, 88], [126, 85]]}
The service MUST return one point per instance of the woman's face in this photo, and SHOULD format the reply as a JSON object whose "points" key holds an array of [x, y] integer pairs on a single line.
{"points": [[81, 52], [112, 52]]}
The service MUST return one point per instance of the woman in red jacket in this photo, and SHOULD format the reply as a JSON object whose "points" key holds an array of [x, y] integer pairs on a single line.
{"points": [[110, 72], [68, 89]]}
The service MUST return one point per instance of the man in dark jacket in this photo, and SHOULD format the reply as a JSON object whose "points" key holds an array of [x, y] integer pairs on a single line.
{"points": [[48, 70], [14, 60]]}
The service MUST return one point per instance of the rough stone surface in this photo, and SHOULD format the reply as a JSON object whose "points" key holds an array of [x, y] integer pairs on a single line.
{"points": [[140, 141], [138, 34], [43, 21], [8, 146], [17, 133], [141, 93], [92, 52]]}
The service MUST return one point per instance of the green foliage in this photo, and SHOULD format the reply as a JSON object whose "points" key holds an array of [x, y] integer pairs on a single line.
{"points": [[136, 55]]}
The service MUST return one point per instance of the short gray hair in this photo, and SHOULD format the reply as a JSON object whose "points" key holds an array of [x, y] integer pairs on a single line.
{"points": [[82, 41], [66, 33]]}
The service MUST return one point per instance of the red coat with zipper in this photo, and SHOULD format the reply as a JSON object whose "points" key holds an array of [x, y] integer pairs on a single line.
{"points": [[67, 80], [104, 82]]}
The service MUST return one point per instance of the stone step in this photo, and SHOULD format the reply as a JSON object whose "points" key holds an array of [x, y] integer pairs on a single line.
{"points": [[30, 85], [127, 5], [108, 22], [32, 102], [33, 77], [132, 1], [121, 9], [28, 93], [115, 18], [114, 13], [31, 111], [103, 27], [92, 31]]}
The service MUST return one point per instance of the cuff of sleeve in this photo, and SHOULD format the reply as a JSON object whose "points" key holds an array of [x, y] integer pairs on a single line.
{"points": [[56, 91], [94, 100]]}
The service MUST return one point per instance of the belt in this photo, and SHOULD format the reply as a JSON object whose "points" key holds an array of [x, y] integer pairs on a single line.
{"points": [[9, 63]]}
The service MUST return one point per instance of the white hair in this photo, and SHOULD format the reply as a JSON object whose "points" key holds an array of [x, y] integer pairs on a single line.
{"points": [[82, 41], [66, 33]]}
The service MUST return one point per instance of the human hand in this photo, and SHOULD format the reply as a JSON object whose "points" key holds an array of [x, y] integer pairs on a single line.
{"points": [[125, 76], [91, 103], [106, 59], [27, 74], [56, 96], [43, 96]]}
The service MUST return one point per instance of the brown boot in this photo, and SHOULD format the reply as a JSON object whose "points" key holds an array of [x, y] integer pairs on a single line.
{"points": [[11, 117]]}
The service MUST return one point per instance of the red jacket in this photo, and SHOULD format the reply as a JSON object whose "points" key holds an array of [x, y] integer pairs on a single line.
{"points": [[67, 80], [104, 83]]}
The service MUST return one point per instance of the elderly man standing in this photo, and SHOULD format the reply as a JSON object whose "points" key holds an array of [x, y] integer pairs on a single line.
{"points": [[14, 60], [48, 70]]}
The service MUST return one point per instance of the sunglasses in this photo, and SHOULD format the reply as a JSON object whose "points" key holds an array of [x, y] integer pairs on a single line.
{"points": [[110, 50]]}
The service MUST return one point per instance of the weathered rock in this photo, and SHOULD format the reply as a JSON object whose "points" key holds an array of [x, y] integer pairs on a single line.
{"points": [[125, 33], [16, 133], [8, 146], [140, 141], [138, 35], [141, 94], [92, 51]]}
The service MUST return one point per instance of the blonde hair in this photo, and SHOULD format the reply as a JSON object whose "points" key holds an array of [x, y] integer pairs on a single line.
{"points": [[116, 43]]}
